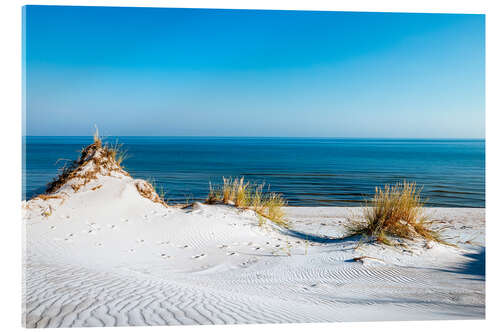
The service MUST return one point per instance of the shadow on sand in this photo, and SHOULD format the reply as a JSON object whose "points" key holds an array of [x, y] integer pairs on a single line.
{"points": [[317, 238], [475, 266]]}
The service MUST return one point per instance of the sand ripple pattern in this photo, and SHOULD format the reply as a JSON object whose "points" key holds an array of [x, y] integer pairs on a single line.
{"points": [[215, 265]]}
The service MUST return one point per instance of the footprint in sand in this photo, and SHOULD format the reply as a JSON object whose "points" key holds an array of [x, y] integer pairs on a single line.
{"points": [[112, 226], [98, 244], [257, 248], [69, 238], [231, 253], [223, 246], [198, 256], [140, 241], [124, 219], [249, 262], [183, 246], [52, 227], [93, 227], [164, 255]]}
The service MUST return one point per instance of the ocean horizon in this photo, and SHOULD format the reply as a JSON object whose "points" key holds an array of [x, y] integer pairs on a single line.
{"points": [[308, 171]]}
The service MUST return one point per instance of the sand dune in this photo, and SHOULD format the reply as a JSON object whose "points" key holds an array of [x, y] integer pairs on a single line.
{"points": [[105, 255]]}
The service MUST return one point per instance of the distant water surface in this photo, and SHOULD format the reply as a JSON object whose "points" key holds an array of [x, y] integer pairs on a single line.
{"points": [[308, 171]]}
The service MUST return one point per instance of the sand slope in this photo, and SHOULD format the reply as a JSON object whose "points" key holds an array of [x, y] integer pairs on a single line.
{"points": [[107, 256]]}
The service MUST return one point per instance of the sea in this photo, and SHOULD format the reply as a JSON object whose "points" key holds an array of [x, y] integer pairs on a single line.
{"points": [[307, 171]]}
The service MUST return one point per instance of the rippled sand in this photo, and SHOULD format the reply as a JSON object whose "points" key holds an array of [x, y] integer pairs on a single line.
{"points": [[109, 257]]}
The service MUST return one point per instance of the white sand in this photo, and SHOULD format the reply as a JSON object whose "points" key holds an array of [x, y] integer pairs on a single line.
{"points": [[110, 257]]}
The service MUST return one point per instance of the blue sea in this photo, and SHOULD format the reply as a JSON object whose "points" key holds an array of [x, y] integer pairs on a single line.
{"points": [[307, 171]]}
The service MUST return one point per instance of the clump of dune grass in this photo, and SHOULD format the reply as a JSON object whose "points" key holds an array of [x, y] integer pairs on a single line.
{"points": [[47, 212], [97, 159], [117, 152], [396, 211], [97, 137], [243, 194], [271, 208], [158, 188], [101, 159], [148, 191]]}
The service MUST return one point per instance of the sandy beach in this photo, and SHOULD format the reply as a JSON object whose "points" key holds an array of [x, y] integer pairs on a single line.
{"points": [[100, 253]]}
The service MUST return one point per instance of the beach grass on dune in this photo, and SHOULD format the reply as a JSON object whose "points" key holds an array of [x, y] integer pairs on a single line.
{"points": [[394, 211], [243, 194], [104, 159], [158, 188], [109, 159], [118, 153], [397, 211]]}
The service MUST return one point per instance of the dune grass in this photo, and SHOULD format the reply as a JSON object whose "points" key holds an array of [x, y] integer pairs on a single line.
{"points": [[397, 211], [149, 190], [99, 159], [243, 194], [113, 151], [104, 159], [117, 152], [47, 212], [97, 137], [157, 187]]}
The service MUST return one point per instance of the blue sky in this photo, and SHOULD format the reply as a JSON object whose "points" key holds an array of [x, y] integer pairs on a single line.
{"points": [[151, 71]]}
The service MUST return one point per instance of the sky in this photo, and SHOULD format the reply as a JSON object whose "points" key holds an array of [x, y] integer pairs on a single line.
{"points": [[199, 72]]}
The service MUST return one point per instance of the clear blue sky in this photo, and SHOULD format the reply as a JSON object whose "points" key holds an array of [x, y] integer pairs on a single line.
{"points": [[150, 71]]}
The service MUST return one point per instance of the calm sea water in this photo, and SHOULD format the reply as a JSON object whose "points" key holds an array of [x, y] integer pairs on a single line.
{"points": [[309, 172]]}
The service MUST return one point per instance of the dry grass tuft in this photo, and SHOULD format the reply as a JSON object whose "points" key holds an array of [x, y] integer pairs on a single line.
{"points": [[117, 153], [97, 138], [243, 194], [94, 160], [47, 212], [46, 197], [148, 191], [269, 206], [97, 159], [395, 211]]}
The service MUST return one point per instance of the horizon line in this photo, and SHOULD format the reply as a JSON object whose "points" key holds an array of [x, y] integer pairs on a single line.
{"points": [[271, 137]]}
